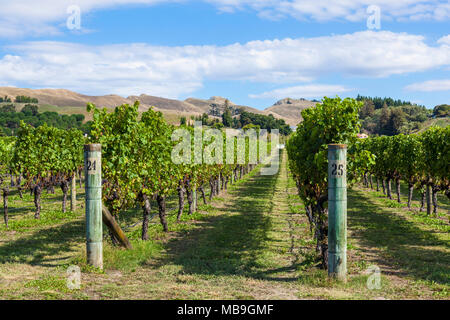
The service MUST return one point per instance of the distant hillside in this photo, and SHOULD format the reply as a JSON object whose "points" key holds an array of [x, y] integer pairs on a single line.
{"points": [[378, 115], [406, 119], [438, 122], [62, 97], [290, 109], [217, 104], [69, 102], [164, 104]]}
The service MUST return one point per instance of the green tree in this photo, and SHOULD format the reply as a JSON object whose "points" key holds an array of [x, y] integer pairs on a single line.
{"points": [[442, 110], [8, 108], [217, 125], [396, 121], [367, 110], [383, 124], [227, 119], [205, 119], [26, 99], [30, 110]]}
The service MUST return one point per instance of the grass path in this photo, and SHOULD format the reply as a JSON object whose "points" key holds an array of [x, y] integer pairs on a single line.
{"points": [[252, 242], [412, 249], [242, 250]]}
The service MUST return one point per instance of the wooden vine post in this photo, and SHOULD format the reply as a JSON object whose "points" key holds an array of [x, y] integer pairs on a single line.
{"points": [[73, 193], [337, 211], [194, 199], [93, 185]]}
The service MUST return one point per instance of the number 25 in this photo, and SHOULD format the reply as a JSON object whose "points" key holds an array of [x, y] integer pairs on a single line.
{"points": [[337, 170]]}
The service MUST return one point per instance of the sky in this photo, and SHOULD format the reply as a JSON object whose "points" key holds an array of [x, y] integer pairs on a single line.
{"points": [[253, 52]]}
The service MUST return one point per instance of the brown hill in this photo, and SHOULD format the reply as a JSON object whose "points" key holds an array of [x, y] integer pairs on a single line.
{"points": [[66, 101], [62, 97], [164, 104], [290, 109], [219, 104]]}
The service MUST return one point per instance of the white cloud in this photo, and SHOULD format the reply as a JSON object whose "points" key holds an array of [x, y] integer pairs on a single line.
{"points": [[37, 18], [48, 17], [303, 91], [430, 86], [173, 71], [444, 40], [350, 10]]}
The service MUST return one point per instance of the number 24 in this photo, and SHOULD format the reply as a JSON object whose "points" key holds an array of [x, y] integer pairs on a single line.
{"points": [[91, 165]]}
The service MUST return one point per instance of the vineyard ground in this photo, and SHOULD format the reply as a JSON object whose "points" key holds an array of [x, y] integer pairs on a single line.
{"points": [[252, 242]]}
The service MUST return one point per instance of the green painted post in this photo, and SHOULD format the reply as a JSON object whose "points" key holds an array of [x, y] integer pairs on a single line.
{"points": [[93, 185], [337, 211]]}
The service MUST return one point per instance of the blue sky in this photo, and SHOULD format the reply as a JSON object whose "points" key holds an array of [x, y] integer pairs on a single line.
{"points": [[253, 52]]}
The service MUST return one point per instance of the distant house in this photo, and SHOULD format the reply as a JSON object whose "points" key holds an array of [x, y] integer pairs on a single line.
{"points": [[362, 135]]}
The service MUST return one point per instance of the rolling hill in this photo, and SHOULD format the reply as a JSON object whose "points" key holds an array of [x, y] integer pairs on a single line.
{"points": [[69, 102]]}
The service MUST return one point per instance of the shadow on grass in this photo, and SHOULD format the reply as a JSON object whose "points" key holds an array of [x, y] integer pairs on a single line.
{"points": [[231, 244], [443, 201], [133, 216], [45, 247], [407, 247]]}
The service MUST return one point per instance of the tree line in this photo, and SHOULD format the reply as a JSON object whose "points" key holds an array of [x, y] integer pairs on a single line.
{"points": [[243, 120], [392, 120], [19, 99], [10, 119], [262, 121], [26, 99], [5, 99], [379, 102]]}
